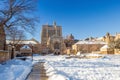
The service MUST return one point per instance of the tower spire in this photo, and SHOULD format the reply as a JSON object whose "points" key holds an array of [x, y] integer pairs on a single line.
{"points": [[54, 24]]}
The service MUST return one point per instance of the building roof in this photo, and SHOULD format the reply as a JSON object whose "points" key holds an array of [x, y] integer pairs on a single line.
{"points": [[90, 42], [105, 47], [25, 47], [50, 26], [31, 41], [99, 38], [70, 36]]}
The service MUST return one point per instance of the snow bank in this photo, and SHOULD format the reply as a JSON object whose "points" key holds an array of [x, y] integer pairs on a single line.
{"points": [[15, 70], [104, 68], [93, 54], [60, 68], [58, 77], [53, 74]]}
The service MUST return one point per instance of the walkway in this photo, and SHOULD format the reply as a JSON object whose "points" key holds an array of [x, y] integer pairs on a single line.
{"points": [[38, 72]]}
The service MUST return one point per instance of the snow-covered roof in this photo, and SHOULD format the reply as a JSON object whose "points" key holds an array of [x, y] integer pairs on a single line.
{"points": [[25, 47], [90, 42], [99, 38], [28, 42], [22, 42], [105, 47]]}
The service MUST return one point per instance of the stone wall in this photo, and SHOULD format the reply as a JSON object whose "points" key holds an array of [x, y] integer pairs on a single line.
{"points": [[4, 56]]}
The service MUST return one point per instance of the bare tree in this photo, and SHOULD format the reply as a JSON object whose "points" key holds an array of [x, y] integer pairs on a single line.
{"points": [[115, 44], [112, 44], [15, 36], [16, 13]]}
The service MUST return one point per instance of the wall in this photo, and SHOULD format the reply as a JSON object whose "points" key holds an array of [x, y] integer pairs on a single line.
{"points": [[4, 56]]}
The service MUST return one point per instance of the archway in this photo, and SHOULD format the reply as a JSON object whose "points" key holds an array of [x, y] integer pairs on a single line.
{"points": [[56, 48], [56, 45]]}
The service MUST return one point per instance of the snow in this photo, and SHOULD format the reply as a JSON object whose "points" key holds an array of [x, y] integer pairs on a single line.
{"points": [[60, 68], [105, 47], [78, 53], [93, 54], [22, 42], [25, 47], [15, 69], [90, 42]]}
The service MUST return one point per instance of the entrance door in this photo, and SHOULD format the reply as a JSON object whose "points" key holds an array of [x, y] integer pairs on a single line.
{"points": [[56, 48], [56, 45]]}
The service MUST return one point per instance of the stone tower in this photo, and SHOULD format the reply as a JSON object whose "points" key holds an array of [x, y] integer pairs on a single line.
{"points": [[51, 37], [49, 31], [109, 38]]}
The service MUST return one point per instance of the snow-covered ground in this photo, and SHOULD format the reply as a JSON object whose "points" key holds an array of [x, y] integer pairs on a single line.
{"points": [[15, 69], [60, 68]]}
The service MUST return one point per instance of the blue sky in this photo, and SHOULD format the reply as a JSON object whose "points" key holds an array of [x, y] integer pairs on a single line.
{"points": [[82, 18]]}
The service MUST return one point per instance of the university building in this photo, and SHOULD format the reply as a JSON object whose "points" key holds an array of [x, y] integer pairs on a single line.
{"points": [[51, 39]]}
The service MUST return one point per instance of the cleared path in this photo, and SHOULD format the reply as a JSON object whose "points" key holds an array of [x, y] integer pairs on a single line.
{"points": [[38, 72]]}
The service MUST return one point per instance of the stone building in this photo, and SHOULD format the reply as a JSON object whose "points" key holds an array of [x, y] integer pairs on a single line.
{"points": [[50, 30], [87, 46], [117, 36], [69, 41], [51, 38], [34, 44], [106, 50], [108, 38]]}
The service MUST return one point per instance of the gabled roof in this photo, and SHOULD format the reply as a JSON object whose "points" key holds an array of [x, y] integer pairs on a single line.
{"points": [[105, 47], [25, 47]]}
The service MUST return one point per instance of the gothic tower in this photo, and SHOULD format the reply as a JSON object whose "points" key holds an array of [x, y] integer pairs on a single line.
{"points": [[51, 37]]}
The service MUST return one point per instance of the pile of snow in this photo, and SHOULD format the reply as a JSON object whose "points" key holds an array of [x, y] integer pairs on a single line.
{"points": [[53, 74], [15, 69], [58, 77], [93, 54]]}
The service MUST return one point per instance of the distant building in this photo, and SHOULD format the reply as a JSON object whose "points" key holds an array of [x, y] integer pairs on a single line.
{"points": [[26, 50], [51, 39], [34, 44], [87, 46], [50, 30], [69, 41], [108, 38], [117, 36], [31, 41], [106, 50]]}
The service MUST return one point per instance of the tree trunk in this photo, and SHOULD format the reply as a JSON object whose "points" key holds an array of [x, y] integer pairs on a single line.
{"points": [[12, 53], [2, 38]]}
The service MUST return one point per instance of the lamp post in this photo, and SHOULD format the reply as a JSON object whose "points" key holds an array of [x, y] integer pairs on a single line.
{"points": [[12, 52], [32, 50]]}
